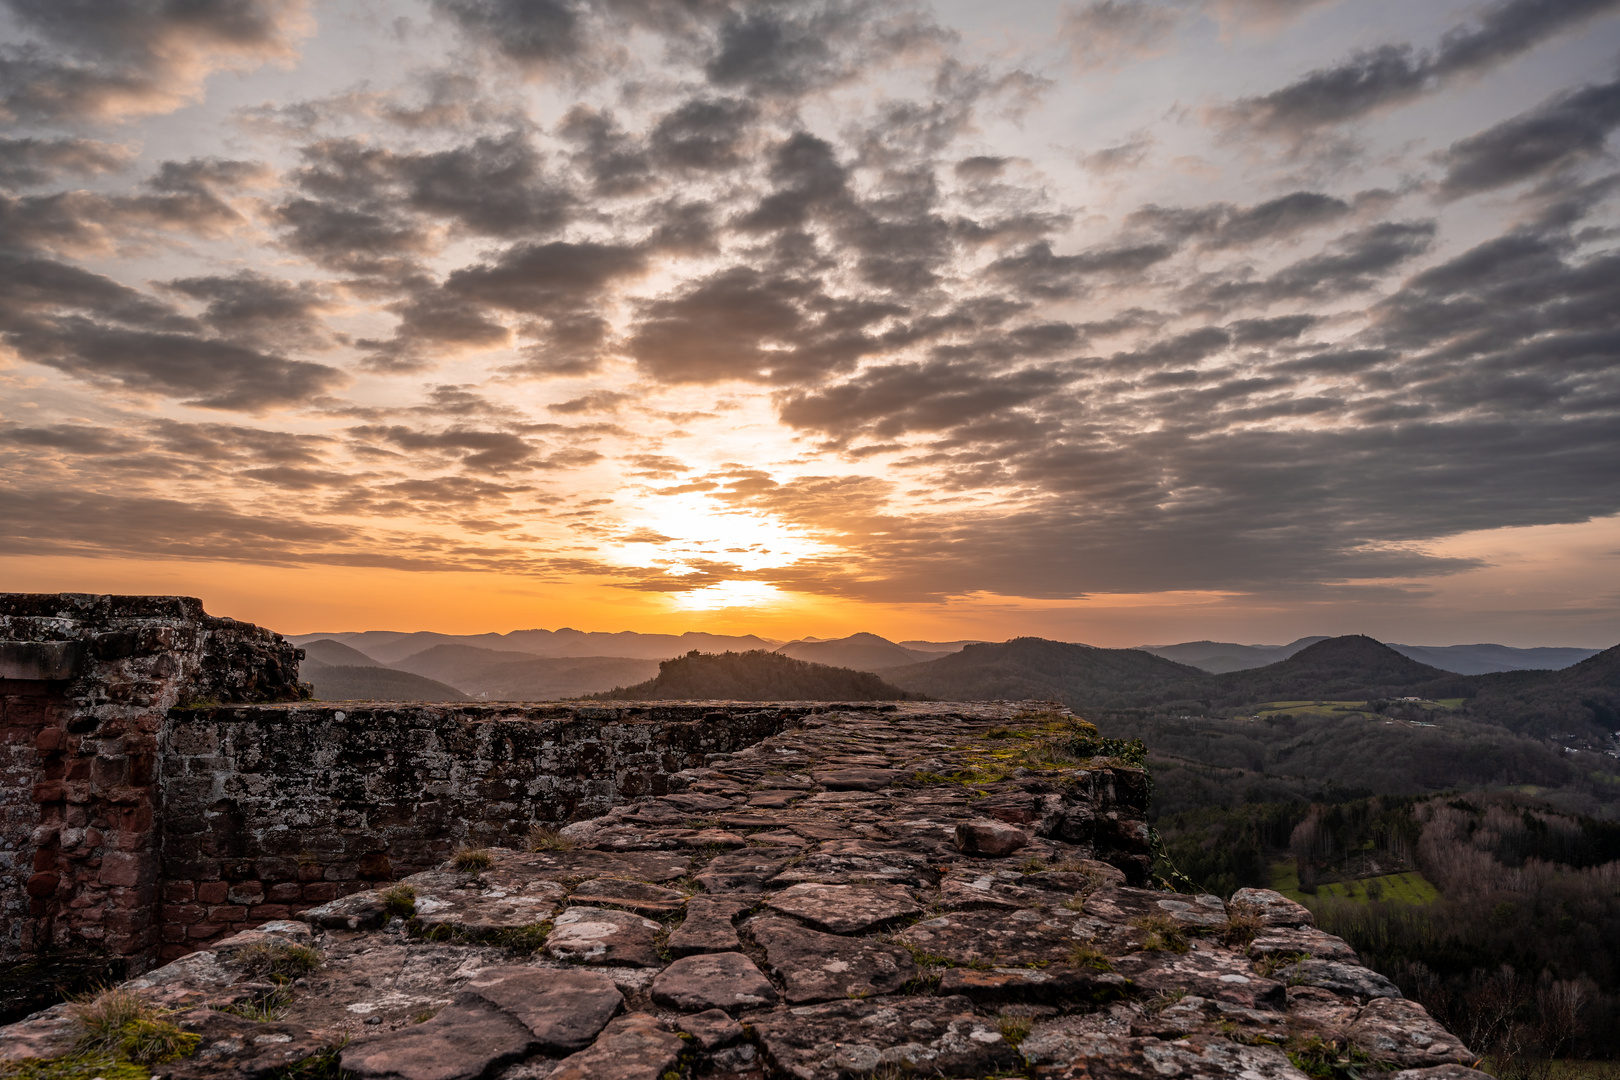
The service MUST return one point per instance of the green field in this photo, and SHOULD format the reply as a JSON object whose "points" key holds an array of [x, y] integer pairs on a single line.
{"points": [[1408, 888], [1333, 710]]}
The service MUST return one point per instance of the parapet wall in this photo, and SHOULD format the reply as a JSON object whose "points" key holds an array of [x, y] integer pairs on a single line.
{"points": [[271, 809], [86, 683]]}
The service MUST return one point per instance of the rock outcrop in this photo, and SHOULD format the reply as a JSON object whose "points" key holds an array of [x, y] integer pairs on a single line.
{"points": [[931, 890]]}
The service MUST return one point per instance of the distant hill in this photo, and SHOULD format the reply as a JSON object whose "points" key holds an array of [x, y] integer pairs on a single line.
{"points": [[941, 646], [325, 651], [863, 652], [372, 683], [389, 646], [1582, 699], [1484, 659], [756, 675], [1222, 656], [514, 676], [1341, 668], [1034, 668]]}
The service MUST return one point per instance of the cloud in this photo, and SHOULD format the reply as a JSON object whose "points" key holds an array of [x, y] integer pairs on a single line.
{"points": [[31, 162], [792, 49], [104, 61], [1107, 34], [1572, 126], [1222, 225], [1388, 75]]}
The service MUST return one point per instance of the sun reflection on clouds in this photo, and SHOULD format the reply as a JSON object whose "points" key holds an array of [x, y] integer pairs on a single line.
{"points": [[728, 594], [692, 526]]}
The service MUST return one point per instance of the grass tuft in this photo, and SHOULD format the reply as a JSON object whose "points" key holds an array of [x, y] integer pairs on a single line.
{"points": [[1161, 934], [472, 860], [1015, 1029], [116, 1023], [399, 900], [279, 961], [1243, 924], [548, 838], [1082, 955]]}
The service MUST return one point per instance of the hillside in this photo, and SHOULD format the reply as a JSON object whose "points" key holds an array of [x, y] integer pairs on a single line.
{"points": [[1583, 699], [361, 683], [1222, 656], [515, 676], [325, 651], [863, 652], [755, 676], [390, 646], [1080, 676], [1483, 659], [1350, 667]]}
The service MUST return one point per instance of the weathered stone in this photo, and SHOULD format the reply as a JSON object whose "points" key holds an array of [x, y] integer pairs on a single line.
{"points": [[990, 839], [467, 1039], [634, 1047], [1274, 908], [1401, 1032], [1195, 912], [1059, 1054], [357, 911], [589, 935], [846, 909], [636, 895], [1217, 974], [1347, 980], [743, 871], [929, 1036], [856, 862], [563, 1010], [708, 927], [1029, 984], [477, 916], [995, 937], [820, 967], [1306, 941], [235, 1048], [855, 779], [654, 866], [1441, 1072], [712, 1028], [774, 800], [728, 981]]}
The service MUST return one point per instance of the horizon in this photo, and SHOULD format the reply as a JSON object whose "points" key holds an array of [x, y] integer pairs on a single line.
{"points": [[1104, 321]]}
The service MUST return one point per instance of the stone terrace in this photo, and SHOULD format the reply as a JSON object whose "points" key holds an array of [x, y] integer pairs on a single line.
{"points": [[889, 891]]}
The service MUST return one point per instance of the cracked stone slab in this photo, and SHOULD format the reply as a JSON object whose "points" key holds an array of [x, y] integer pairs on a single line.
{"points": [[846, 909], [235, 1048], [563, 1010], [654, 866], [1346, 980], [996, 937], [727, 981], [634, 1047], [1052, 983], [930, 1036], [638, 896], [1217, 974], [852, 862], [467, 1039], [1193, 1015], [1195, 913], [480, 915], [1401, 1032], [357, 911], [708, 926], [1274, 908], [989, 839], [968, 888], [1309, 941], [591, 935], [1058, 1054], [712, 1028], [855, 779], [743, 871], [820, 967]]}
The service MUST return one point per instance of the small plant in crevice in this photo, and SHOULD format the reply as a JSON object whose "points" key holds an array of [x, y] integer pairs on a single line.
{"points": [[1015, 1029], [116, 1023], [1330, 1059], [1161, 934], [548, 838], [262, 1008], [1082, 955], [399, 901], [323, 1064], [1243, 924], [1271, 963], [278, 961], [472, 860]]}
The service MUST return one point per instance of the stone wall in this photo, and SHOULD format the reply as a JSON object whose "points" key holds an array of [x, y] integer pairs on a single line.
{"points": [[86, 684], [271, 809]]}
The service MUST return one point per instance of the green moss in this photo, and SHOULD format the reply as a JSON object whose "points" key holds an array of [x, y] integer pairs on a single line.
{"points": [[399, 900], [78, 1067]]}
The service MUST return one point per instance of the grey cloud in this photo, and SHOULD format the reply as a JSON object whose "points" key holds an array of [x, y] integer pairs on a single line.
{"points": [[30, 162], [1222, 225], [1036, 271], [103, 60], [537, 33], [790, 49], [1103, 34], [1570, 127], [1391, 74], [1121, 157], [617, 164], [480, 450], [704, 134], [260, 311], [604, 401], [1270, 331], [892, 399], [1354, 263]]}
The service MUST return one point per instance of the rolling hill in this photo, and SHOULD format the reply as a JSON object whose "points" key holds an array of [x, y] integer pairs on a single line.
{"points": [[374, 683], [1222, 656], [755, 676], [335, 654], [863, 652], [1033, 668], [514, 676], [390, 646], [1219, 657]]}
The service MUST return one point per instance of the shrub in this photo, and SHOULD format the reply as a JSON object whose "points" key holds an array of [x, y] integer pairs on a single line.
{"points": [[547, 838], [399, 900], [1161, 934], [279, 961], [116, 1023]]}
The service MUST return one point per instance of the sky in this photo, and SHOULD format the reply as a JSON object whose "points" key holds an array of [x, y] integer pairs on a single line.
{"points": [[1116, 321]]}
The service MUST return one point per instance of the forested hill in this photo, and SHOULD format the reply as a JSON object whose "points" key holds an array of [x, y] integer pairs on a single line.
{"points": [[1583, 697], [1031, 668], [1353, 666], [755, 676]]}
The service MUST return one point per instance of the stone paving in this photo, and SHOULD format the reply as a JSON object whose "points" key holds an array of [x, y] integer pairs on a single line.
{"points": [[902, 890]]}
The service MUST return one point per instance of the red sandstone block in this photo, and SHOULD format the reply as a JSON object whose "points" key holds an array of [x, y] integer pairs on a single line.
{"points": [[173, 933], [311, 871], [212, 892], [170, 953], [284, 893], [227, 913], [320, 892], [180, 892], [134, 818], [50, 791], [246, 892], [197, 931], [269, 911], [348, 888], [79, 769], [42, 885], [127, 868], [131, 841], [184, 914], [48, 740]]}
